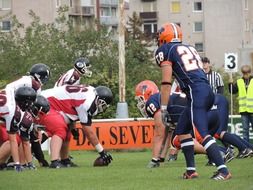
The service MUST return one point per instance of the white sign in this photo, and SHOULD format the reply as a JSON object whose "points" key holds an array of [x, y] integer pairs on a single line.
{"points": [[231, 62]]}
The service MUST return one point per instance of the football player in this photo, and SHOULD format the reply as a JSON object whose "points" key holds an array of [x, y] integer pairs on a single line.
{"points": [[148, 98], [77, 103], [73, 76], [17, 120], [183, 61], [38, 75], [146, 93]]}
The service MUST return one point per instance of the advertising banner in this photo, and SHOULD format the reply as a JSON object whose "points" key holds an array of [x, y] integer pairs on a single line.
{"points": [[130, 133]]}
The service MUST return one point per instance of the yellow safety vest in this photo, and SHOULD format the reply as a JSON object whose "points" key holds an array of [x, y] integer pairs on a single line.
{"points": [[245, 96]]}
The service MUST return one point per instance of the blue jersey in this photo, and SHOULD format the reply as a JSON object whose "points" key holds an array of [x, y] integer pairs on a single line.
{"points": [[217, 120], [175, 107], [186, 63]]}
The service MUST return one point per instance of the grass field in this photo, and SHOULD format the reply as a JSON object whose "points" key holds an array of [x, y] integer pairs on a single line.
{"points": [[127, 172]]}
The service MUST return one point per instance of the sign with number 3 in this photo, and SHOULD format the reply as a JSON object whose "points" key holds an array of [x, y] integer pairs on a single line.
{"points": [[231, 62]]}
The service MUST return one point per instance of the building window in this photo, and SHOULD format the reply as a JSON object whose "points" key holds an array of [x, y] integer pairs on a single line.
{"points": [[5, 4], [198, 27], [197, 6], [70, 3], [175, 7], [150, 28], [5, 26], [149, 7], [105, 11], [199, 47]]}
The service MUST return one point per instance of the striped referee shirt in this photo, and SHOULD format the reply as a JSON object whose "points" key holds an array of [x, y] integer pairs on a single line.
{"points": [[215, 81]]}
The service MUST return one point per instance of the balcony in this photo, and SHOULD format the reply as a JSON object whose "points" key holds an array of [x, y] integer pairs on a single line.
{"points": [[148, 15], [108, 20], [109, 3], [82, 11]]}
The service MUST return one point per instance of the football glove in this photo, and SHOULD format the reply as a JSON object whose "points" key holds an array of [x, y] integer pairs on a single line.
{"points": [[107, 158]]}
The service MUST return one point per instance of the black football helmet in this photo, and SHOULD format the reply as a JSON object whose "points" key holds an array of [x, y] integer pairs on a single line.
{"points": [[82, 65], [41, 104], [105, 97], [25, 96], [40, 72]]}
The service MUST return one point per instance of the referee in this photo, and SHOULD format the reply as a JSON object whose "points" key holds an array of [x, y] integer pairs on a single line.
{"points": [[213, 77]]}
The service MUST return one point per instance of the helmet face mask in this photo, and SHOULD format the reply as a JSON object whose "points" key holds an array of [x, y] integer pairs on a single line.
{"points": [[104, 98], [143, 91], [101, 105], [82, 65], [40, 106], [141, 105]]}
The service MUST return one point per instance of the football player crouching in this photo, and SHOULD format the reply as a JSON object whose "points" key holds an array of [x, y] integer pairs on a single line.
{"points": [[74, 103], [148, 102], [18, 122]]}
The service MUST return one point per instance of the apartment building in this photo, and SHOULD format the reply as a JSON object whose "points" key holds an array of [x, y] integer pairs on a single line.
{"points": [[214, 27], [84, 13]]}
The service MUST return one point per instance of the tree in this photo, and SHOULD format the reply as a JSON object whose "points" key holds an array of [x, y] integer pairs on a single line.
{"points": [[59, 44]]}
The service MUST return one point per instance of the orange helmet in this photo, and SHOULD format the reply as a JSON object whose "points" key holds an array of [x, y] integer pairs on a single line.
{"points": [[169, 32], [143, 91]]}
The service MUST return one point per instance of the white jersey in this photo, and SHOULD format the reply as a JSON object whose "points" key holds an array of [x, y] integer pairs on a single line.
{"points": [[7, 109], [28, 81], [76, 102], [71, 77]]}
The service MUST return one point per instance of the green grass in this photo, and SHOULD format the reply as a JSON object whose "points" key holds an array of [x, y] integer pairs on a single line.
{"points": [[128, 172]]}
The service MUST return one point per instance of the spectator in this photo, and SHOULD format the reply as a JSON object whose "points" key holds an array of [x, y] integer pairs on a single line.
{"points": [[213, 77], [244, 88]]}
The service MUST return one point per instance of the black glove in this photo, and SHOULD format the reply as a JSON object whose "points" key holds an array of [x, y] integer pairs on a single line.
{"points": [[75, 133], [18, 167], [107, 158]]}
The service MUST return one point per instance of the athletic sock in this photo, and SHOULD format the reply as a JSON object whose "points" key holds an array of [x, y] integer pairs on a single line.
{"points": [[231, 139], [187, 146], [244, 142], [212, 150]]}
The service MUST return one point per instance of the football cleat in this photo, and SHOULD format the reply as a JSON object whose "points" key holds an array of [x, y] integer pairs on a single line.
{"points": [[245, 153], [220, 176], [153, 164], [68, 163], [172, 157], [3, 166], [56, 164], [194, 175], [230, 155]]}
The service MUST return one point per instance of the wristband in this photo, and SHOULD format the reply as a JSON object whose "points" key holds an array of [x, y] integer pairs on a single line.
{"points": [[163, 107], [99, 147], [16, 163]]}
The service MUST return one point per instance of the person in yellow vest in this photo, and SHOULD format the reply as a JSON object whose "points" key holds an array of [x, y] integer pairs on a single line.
{"points": [[244, 88]]}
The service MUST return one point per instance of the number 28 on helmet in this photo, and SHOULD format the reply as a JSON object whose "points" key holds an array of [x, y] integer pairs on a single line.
{"points": [[169, 32], [143, 91]]}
